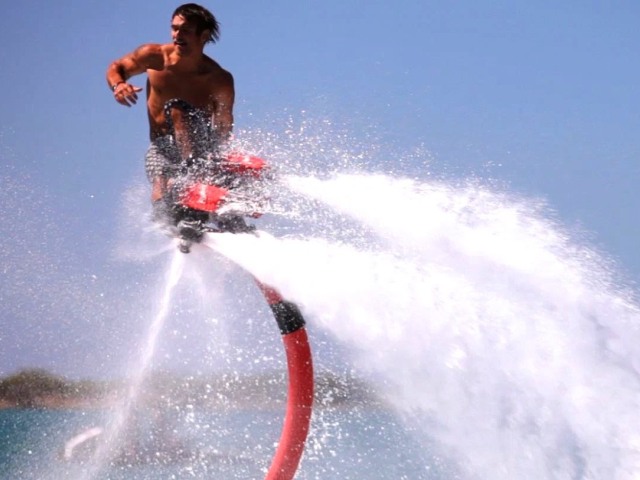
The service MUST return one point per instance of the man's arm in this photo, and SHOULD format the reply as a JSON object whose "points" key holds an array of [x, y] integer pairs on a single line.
{"points": [[134, 63], [224, 98]]}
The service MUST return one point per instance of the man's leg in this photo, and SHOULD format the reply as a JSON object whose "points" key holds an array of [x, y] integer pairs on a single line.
{"points": [[158, 188], [180, 118], [157, 165]]}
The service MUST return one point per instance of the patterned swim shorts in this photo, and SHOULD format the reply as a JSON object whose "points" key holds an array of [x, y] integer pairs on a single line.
{"points": [[162, 158]]}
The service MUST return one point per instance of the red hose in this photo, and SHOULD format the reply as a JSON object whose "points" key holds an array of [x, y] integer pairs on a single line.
{"points": [[296, 344], [299, 403], [300, 394]]}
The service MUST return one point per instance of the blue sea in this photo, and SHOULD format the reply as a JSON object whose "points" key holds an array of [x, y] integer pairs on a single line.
{"points": [[343, 444]]}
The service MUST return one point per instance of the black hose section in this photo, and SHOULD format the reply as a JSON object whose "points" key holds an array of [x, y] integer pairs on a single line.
{"points": [[288, 316]]}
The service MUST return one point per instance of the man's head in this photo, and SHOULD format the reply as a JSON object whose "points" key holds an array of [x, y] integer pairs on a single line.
{"points": [[191, 23]]}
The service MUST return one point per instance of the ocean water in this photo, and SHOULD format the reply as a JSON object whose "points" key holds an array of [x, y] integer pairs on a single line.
{"points": [[344, 443]]}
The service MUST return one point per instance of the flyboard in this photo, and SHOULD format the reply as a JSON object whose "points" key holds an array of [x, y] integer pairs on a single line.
{"points": [[222, 206]]}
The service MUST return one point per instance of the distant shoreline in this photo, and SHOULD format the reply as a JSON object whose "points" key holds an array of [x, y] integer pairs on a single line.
{"points": [[39, 389]]}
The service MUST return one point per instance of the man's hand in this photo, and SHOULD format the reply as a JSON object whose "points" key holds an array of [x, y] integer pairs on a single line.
{"points": [[126, 94]]}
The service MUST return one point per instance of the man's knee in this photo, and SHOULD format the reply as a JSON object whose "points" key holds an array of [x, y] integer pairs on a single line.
{"points": [[158, 187], [160, 159]]}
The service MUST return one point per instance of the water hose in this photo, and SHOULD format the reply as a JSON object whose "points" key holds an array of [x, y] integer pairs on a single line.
{"points": [[300, 394]]}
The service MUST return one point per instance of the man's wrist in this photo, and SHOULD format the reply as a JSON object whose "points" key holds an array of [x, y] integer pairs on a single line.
{"points": [[115, 85]]}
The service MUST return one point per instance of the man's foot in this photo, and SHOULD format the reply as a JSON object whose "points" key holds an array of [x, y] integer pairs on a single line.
{"points": [[163, 212]]}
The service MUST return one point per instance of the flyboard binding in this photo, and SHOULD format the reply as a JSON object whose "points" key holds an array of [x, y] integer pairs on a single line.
{"points": [[208, 191], [222, 205]]}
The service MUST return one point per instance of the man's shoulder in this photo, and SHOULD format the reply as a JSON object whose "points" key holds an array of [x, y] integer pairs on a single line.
{"points": [[149, 49], [214, 68], [151, 55]]}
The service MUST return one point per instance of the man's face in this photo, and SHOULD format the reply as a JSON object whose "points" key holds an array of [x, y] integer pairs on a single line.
{"points": [[184, 36]]}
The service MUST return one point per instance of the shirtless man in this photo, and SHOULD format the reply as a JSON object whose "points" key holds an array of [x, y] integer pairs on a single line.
{"points": [[199, 115]]}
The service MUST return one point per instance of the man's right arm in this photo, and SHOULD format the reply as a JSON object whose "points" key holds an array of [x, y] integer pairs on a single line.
{"points": [[134, 63]]}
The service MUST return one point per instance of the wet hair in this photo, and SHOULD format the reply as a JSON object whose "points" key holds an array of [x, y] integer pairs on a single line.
{"points": [[202, 18]]}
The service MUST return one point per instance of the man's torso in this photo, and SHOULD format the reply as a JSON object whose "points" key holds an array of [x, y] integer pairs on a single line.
{"points": [[196, 87]]}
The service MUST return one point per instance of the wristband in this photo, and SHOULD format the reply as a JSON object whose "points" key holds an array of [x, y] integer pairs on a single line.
{"points": [[115, 85]]}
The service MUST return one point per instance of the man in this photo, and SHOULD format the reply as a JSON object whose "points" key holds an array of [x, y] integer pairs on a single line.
{"points": [[189, 96]]}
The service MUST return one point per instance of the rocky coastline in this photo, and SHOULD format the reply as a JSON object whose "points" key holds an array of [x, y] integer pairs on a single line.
{"points": [[40, 389]]}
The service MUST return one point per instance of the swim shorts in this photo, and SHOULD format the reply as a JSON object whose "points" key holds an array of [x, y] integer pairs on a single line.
{"points": [[162, 158]]}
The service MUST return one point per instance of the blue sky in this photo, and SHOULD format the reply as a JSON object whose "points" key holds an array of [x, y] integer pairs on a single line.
{"points": [[540, 97]]}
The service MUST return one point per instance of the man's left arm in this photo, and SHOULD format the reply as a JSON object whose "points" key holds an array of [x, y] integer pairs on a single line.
{"points": [[224, 98]]}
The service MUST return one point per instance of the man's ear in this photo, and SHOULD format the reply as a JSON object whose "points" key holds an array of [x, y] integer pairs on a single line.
{"points": [[205, 36]]}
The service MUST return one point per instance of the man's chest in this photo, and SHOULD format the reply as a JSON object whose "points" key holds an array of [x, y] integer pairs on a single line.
{"points": [[198, 90]]}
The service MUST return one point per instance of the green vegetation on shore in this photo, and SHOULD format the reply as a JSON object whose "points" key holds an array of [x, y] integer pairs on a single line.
{"points": [[37, 388]]}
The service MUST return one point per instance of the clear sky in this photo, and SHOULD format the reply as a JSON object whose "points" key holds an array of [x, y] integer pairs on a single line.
{"points": [[541, 97]]}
